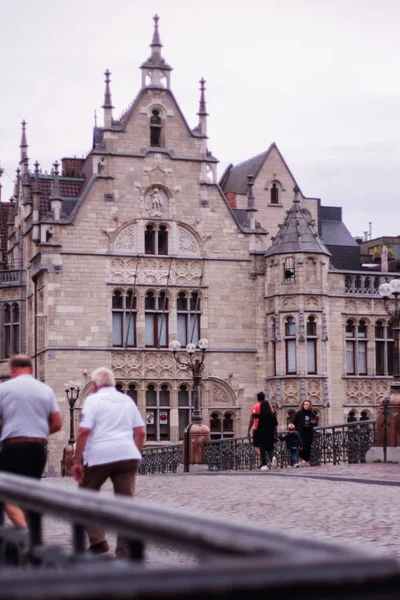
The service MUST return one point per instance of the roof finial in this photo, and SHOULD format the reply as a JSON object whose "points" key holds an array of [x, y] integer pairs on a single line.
{"points": [[24, 144], [156, 41], [296, 194], [202, 127], [95, 118], [202, 104], [107, 92], [250, 197], [36, 188], [55, 190]]}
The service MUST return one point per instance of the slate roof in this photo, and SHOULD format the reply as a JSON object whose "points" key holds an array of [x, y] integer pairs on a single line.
{"points": [[236, 178], [335, 233], [297, 233], [69, 188]]}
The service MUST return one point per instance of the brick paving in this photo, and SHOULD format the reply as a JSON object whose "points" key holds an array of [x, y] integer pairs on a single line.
{"points": [[306, 501]]}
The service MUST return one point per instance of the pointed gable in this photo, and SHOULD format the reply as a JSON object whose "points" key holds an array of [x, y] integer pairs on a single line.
{"points": [[297, 234]]}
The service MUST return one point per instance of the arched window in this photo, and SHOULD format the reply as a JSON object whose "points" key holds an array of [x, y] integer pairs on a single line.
{"points": [[157, 413], [162, 240], [352, 417], [311, 346], [132, 392], [156, 320], [384, 348], [365, 416], [188, 317], [356, 347], [150, 240], [155, 128], [184, 408], [289, 274], [274, 194], [123, 319], [156, 240], [290, 346], [11, 330], [221, 426]]}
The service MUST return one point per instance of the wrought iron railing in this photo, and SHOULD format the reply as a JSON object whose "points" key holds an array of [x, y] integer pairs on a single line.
{"points": [[232, 560], [335, 444], [160, 460], [343, 443]]}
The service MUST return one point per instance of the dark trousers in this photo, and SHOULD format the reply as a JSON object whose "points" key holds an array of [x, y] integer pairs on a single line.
{"points": [[293, 456], [24, 458], [266, 453], [122, 474]]}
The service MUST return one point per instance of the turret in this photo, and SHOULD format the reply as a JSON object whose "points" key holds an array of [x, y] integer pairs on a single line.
{"points": [[155, 66]]}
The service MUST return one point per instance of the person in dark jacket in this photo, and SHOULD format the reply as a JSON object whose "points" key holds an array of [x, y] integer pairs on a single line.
{"points": [[304, 421], [293, 444]]}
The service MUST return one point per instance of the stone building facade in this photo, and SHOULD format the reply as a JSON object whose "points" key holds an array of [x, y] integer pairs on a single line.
{"points": [[106, 259]]}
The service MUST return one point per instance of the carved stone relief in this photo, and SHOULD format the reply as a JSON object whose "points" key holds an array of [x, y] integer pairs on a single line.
{"points": [[187, 242], [158, 365], [314, 387], [382, 389], [289, 302], [364, 305], [291, 400], [125, 364], [360, 392], [350, 306], [188, 272], [154, 271], [125, 241], [156, 203], [219, 395], [291, 387], [312, 302]]}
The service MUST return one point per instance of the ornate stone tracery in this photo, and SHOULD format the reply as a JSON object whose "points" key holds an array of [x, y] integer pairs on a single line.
{"points": [[125, 241]]}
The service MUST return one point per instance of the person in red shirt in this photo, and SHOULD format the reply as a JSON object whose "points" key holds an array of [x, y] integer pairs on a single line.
{"points": [[264, 423]]}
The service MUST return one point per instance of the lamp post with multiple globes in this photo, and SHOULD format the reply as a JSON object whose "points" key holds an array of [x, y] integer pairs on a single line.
{"points": [[72, 390], [389, 411], [196, 433]]}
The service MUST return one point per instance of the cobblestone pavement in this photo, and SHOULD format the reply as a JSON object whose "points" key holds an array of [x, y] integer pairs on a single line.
{"points": [[303, 501]]}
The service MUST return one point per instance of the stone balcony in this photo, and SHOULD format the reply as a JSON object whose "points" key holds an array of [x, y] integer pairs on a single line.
{"points": [[12, 278]]}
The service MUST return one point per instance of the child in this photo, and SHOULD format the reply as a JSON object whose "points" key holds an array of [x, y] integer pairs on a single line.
{"points": [[293, 444]]}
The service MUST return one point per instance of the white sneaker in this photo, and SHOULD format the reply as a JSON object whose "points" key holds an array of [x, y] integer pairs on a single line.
{"points": [[296, 466], [264, 468], [274, 462]]}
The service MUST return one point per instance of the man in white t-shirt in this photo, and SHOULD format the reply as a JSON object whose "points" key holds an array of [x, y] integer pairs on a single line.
{"points": [[109, 444]]}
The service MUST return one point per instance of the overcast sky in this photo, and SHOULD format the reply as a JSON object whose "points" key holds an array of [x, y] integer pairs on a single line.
{"points": [[318, 77]]}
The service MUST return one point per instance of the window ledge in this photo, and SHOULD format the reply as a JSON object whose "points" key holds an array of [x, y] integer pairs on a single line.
{"points": [[275, 205]]}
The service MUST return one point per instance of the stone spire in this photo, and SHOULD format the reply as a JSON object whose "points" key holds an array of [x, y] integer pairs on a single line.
{"points": [[36, 205], [55, 196], [107, 104], [24, 144], [155, 66], [203, 114], [251, 221], [297, 234], [24, 162]]}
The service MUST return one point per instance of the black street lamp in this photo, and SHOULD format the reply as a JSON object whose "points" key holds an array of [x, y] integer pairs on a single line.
{"points": [[388, 291], [389, 411], [72, 390], [195, 433]]}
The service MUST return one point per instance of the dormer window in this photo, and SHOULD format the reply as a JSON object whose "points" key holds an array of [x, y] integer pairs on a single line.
{"points": [[274, 194], [155, 128]]}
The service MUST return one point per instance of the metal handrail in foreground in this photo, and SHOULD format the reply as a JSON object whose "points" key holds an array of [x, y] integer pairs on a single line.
{"points": [[232, 559], [334, 444]]}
